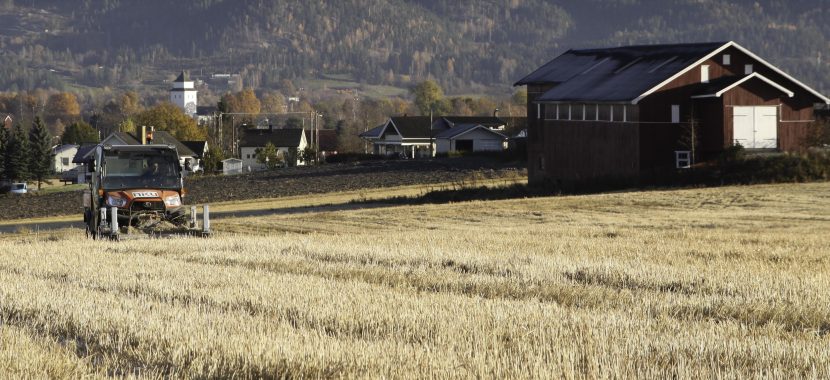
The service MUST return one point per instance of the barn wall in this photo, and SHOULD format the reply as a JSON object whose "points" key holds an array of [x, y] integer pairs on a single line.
{"points": [[535, 134], [793, 114], [579, 152]]}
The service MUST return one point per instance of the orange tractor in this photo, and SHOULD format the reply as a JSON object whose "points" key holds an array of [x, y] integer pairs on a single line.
{"points": [[138, 190]]}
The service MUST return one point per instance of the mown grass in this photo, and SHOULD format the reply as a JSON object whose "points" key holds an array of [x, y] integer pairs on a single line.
{"points": [[725, 282]]}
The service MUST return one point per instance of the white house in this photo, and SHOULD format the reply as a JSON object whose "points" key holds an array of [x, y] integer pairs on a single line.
{"points": [[469, 138], [289, 142], [183, 94], [63, 155]]}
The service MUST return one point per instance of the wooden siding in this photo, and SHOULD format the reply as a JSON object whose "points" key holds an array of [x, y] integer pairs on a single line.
{"points": [[578, 152], [581, 151]]}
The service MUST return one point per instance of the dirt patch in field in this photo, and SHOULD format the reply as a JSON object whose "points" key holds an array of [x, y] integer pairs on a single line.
{"points": [[288, 182]]}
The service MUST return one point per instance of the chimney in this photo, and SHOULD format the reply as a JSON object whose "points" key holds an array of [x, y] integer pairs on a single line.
{"points": [[150, 134], [143, 135]]}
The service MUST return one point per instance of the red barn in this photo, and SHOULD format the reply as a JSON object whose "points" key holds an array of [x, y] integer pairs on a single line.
{"points": [[619, 113]]}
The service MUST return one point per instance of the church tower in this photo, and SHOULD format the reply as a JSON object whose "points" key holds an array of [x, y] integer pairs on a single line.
{"points": [[183, 94]]}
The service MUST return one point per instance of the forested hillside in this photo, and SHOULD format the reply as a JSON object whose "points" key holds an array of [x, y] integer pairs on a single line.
{"points": [[468, 46]]}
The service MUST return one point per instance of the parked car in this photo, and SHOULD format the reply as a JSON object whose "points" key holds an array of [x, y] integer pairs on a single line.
{"points": [[19, 188]]}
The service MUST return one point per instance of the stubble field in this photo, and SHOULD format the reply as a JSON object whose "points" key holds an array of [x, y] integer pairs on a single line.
{"points": [[727, 282]]}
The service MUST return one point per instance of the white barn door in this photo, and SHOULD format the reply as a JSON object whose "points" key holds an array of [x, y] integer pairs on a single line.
{"points": [[755, 127]]}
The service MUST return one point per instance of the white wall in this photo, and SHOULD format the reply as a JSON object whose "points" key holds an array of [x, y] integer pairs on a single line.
{"points": [[482, 142], [65, 156]]}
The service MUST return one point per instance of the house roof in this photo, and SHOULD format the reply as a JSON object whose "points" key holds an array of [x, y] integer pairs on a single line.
{"points": [[280, 138], [412, 127], [463, 129], [328, 139], [123, 137], [630, 73], [162, 137], [64, 147], [181, 77], [81, 154], [206, 110], [409, 127], [199, 148], [375, 132], [719, 86], [487, 121]]}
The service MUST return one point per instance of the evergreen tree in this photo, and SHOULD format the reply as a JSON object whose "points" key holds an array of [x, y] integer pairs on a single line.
{"points": [[40, 145], [17, 153], [4, 139]]}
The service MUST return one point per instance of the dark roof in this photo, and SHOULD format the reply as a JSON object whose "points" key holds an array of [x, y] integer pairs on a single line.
{"points": [[487, 121], [162, 137], [374, 132], [328, 139], [125, 137], [413, 127], [206, 110], [197, 147], [83, 150], [180, 78], [615, 74], [461, 129], [281, 138]]}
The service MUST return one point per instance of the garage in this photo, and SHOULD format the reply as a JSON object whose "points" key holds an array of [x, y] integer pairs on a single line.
{"points": [[755, 127]]}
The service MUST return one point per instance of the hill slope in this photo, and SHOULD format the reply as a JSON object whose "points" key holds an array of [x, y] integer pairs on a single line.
{"points": [[466, 45]]}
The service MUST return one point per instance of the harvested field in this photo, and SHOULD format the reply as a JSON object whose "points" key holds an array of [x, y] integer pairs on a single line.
{"points": [[288, 182], [726, 282]]}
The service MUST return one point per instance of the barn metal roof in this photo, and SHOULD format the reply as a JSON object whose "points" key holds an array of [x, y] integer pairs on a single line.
{"points": [[616, 74], [630, 73]]}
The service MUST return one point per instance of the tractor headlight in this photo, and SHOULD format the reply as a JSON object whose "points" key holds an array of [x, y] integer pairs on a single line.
{"points": [[173, 201], [116, 202]]}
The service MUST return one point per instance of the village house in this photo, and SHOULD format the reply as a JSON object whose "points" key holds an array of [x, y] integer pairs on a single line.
{"points": [[290, 142], [622, 113], [62, 157], [422, 136]]}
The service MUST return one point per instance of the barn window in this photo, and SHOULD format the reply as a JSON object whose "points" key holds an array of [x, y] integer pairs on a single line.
{"points": [[563, 111], [747, 69], [604, 112], [727, 59], [704, 74], [675, 113], [550, 112]]}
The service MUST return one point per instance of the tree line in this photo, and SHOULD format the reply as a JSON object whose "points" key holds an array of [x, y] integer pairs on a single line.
{"points": [[26, 153]]}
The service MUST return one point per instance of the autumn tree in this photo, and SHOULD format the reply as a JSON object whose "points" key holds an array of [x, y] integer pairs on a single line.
{"points": [[428, 96], [168, 117], [273, 102], [79, 133], [244, 101], [40, 150], [61, 108]]}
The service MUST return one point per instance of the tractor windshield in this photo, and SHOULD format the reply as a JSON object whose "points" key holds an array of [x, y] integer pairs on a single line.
{"points": [[152, 169]]}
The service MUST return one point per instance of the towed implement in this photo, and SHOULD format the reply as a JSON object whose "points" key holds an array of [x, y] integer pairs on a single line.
{"points": [[138, 191]]}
